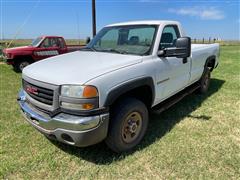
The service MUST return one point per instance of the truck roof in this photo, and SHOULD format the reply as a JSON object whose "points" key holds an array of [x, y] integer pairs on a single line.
{"points": [[44, 36], [144, 22]]}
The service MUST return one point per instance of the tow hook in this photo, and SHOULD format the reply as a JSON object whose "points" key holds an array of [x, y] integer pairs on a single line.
{"points": [[21, 97]]}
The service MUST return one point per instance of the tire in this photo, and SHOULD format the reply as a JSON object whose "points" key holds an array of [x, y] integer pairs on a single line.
{"points": [[128, 125], [205, 81], [18, 66]]}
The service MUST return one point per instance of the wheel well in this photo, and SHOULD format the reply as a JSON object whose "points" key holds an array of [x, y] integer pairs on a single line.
{"points": [[23, 58], [210, 63], [142, 93]]}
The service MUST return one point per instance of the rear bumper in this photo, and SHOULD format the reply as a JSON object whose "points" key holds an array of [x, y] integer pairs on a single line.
{"points": [[70, 129]]}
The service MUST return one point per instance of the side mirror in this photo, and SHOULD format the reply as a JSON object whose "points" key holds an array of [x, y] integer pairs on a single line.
{"points": [[88, 39], [182, 49]]}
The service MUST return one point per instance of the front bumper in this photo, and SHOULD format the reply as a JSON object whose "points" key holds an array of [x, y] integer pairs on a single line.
{"points": [[8, 61], [4, 55], [70, 129]]}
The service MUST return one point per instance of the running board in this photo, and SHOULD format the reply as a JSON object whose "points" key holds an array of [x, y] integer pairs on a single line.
{"points": [[175, 98]]}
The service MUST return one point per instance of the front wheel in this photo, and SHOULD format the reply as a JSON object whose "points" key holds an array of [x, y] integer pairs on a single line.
{"points": [[19, 66], [129, 121]]}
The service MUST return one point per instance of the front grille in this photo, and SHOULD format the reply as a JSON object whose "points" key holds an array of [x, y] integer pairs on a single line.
{"points": [[40, 94]]}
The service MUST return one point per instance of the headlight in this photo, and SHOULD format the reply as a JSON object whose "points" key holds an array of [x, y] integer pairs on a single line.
{"points": [[9, 55], [76, 97], [75, 91]]}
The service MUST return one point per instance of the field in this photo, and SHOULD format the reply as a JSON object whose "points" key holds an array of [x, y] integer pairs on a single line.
{"points": [[198, 138]]}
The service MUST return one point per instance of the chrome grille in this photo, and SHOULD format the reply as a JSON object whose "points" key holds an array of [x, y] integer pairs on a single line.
{"points": [[40, 94]]}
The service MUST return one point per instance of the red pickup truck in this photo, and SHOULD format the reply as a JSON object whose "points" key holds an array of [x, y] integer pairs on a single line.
{"points": [[41, 48]]}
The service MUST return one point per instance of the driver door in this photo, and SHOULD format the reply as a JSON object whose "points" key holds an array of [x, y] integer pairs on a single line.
{"points": [[173, 73], [48, 48]]}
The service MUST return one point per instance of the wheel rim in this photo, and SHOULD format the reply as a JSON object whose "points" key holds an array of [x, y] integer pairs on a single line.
{"points": [[131, 127], [23, 65]]}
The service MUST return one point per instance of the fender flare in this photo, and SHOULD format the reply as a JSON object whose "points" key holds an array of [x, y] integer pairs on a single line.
{"points": [[128, 86], [23, 57], [213, 57]]}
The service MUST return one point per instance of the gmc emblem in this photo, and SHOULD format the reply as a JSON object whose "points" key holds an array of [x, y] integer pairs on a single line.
{"points": [[31, 90]]}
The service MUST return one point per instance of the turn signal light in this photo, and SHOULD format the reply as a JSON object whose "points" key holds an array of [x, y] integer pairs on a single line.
{"points": [[87, 106], [90, 92]]}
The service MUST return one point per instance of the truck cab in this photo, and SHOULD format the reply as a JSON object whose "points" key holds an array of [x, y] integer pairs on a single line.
{"points": [[127, 70], [48, 46]]}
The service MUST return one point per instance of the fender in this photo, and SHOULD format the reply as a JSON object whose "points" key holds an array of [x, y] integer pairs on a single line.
{"points": [[19, 54], [124, 88]]}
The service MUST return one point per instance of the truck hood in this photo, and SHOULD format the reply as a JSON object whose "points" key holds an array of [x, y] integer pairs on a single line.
{"points": [[78, 67], [16, 49]]}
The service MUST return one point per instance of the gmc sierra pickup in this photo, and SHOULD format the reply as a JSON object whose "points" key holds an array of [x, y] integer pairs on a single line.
{"points": [[105, 90], [41, 48]]}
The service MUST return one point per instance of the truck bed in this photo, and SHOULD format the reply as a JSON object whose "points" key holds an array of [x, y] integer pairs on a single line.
{"points": [[203, 46], [205, 50]]}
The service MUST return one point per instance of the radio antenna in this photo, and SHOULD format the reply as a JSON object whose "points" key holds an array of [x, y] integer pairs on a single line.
{"points": [[24, 23], [78, 28]]}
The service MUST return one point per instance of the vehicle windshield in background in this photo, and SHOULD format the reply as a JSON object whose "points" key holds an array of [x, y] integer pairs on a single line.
{"points": [[36, 41], [132, 39]]}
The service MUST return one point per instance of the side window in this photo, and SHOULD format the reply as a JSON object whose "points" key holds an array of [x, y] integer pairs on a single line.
{"points": [[45, 43], [54, 42], [50, 42], [169, 37]]}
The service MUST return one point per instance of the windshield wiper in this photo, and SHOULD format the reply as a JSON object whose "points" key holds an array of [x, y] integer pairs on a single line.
{"points": [[114, 50]]}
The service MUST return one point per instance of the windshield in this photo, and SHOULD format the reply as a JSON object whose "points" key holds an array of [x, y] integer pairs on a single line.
{"points": [[36, 41], [132, 39]]}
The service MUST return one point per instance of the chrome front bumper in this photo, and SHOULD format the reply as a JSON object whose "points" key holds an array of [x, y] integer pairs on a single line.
{"points": [[70, 129]]}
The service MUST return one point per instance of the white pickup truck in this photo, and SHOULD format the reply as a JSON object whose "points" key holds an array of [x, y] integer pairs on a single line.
{"points": [[104, 91]]}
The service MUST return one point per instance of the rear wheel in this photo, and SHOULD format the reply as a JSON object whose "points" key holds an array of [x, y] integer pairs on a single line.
{"points": [[19, 66], [205, 81], [128, 125]]}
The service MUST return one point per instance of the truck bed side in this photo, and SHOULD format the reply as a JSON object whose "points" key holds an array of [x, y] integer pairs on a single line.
{"points": [[200, 54]]}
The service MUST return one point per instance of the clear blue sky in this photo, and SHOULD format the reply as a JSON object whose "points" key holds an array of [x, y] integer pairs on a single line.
{"points": [[203, 18]]}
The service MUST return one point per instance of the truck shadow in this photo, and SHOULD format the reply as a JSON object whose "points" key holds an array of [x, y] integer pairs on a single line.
{"points": [[159, 125]]}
